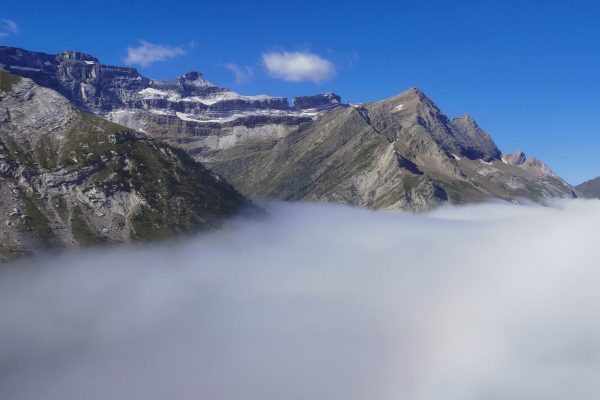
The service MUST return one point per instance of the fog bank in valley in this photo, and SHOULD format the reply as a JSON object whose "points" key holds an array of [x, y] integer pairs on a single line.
{"points": [[491, 301]]}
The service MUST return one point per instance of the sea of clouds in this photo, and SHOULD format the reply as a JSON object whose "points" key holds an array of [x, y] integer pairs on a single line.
{"points": [[492, 301]]}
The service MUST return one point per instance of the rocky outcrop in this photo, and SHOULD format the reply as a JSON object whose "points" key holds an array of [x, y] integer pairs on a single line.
{"points": [[69, 178], [518, 158], [324, 100]]}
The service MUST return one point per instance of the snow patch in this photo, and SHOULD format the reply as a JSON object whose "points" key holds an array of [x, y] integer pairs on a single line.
{"points": [[210, 100], [151, 93], [160, 112], [185, 117]]}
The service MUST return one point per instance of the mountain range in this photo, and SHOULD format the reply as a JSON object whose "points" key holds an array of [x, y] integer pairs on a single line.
{"points": [[70, 125]]}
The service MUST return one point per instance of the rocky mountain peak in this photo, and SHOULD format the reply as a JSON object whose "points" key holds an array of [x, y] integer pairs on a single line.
{"points": [[516, 158], [414, 115], [192, 76], [519, 159], [413, 99]]}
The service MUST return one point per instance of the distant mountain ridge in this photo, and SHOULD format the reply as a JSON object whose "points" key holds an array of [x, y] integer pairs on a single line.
{"points": [[101, 88], [402, 152], [188, 111], [590, 189]]}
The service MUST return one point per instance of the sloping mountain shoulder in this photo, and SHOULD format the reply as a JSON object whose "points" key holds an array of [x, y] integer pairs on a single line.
{"points": [[70, 178], [590, 189]]}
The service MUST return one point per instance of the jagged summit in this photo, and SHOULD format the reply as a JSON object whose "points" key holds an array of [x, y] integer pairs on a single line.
{"points": [[519, 159], [192, 76], [415, 117], [411, 93]]}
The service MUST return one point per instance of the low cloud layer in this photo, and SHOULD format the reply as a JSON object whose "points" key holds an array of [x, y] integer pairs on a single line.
{"points": [[8, 27], [298, 66], [147, 53], [318, 302]]}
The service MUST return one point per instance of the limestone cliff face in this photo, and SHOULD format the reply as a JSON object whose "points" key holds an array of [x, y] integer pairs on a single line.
{"points": [[188, 110], [101, 88], [69, 178]]}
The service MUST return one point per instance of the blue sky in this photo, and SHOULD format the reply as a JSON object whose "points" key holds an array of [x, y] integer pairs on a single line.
{"points": [[528, 71]]}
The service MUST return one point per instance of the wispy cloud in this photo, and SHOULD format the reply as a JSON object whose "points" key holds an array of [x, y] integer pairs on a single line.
{"points": [[8, 27], [241, 73], [147, 53], [298, 66]]}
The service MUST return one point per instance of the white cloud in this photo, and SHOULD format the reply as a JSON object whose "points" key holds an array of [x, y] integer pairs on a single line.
{"points": [[298, 66], [8, 27], [147, 54], [241, 73], [492, 301]]}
